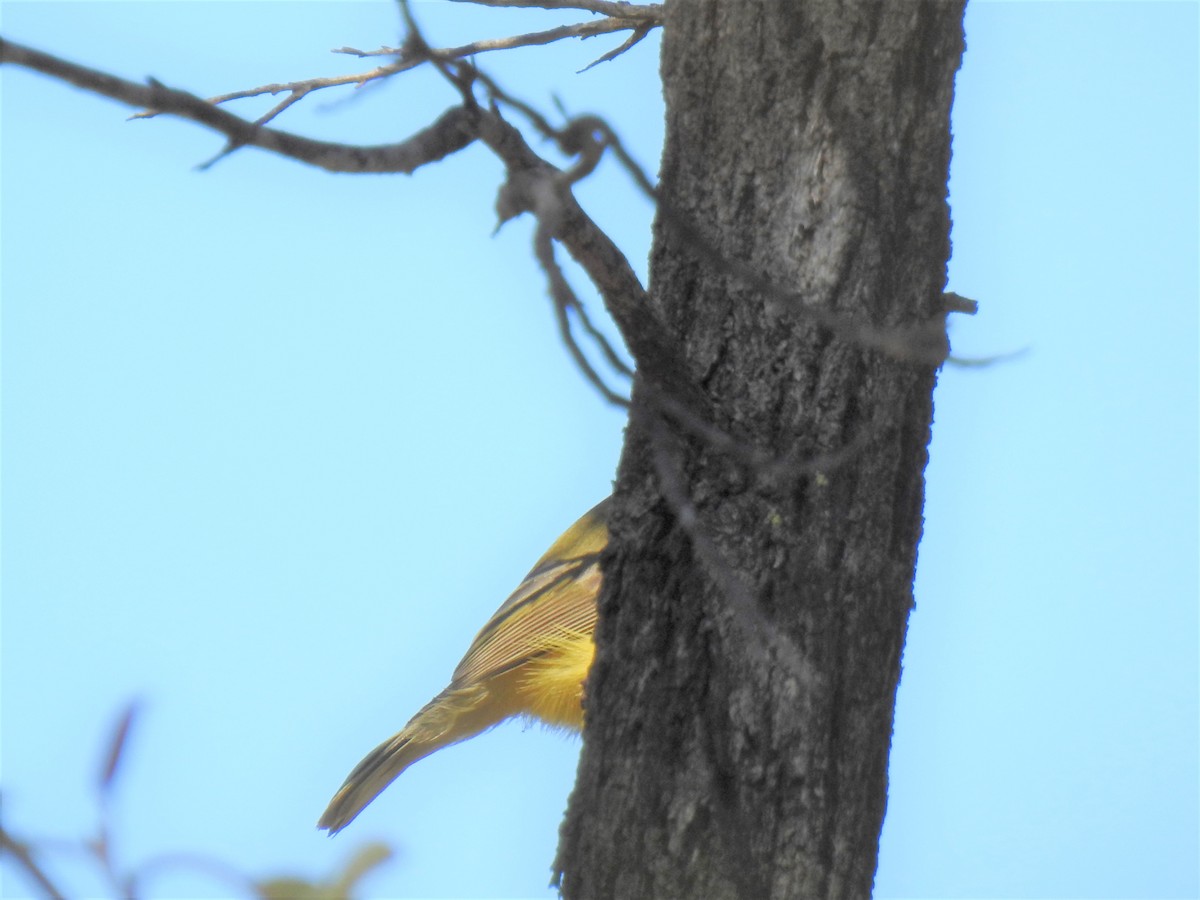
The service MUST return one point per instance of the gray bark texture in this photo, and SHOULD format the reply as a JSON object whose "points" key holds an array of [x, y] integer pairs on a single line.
{"points": [[739, 713]]}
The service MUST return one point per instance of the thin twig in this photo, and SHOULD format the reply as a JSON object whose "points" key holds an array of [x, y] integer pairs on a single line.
{"points": [[280, 107], [602, 341], [302, 88], [315, 84], [531, 39], [564, 298], [640, 32], [603, 7]]}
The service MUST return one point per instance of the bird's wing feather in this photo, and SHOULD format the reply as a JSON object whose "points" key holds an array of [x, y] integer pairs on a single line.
{"points": [[558, 596]]}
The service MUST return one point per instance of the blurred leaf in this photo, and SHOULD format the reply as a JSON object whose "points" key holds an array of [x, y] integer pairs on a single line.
{"points": [[341, 887], [368, 857], [295, 889]]}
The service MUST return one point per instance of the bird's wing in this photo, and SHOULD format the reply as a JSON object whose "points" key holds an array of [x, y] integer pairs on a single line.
{"points": [[557, 597]]}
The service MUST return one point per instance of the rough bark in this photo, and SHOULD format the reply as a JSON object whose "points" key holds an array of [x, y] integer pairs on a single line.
{"points": [[740, 709]]}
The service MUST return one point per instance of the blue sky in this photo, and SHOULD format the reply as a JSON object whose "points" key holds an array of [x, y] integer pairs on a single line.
{"points": [[277, 442]]}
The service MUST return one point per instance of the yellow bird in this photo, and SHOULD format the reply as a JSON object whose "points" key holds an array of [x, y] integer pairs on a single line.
{"points": [[530, 659]]}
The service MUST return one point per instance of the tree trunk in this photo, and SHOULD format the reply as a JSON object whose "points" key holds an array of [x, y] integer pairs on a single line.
{"points": [[739, 713]]}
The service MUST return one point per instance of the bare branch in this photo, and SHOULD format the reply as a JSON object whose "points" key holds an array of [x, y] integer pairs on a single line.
{"points": [[603, 7], [532, 39], [564, 299], [279, 107], [299, 89], [640, 32], [656, 354], [605, 265], [448, 134], [315, 84], [602, 341]]}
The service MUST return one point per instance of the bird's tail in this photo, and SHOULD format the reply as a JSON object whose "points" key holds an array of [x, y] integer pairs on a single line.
{"points": [[445, 720]]}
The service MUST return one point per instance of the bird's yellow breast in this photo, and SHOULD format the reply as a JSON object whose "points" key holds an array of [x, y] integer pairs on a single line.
{"points": [[551, 686]]}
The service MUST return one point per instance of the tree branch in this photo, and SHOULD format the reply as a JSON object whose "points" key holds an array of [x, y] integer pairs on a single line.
{"points": [[640, 32], [529, 174], [452, 131], [654, 352], [603, 7], [300, 89], [531, 39]]}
